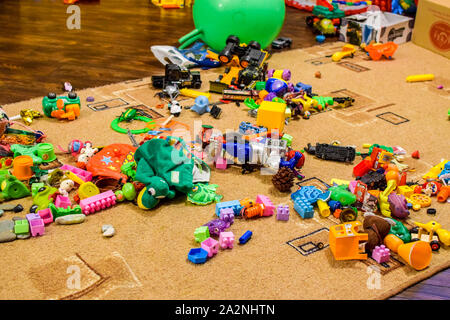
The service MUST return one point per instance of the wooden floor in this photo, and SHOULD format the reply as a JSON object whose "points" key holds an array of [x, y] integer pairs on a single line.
{"points": [[38, 53]]}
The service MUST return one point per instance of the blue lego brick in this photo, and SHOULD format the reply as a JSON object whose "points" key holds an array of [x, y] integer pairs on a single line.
{"points": [[234, 204], [304, 198], [245, 237], [304, 209], [198, 255]]}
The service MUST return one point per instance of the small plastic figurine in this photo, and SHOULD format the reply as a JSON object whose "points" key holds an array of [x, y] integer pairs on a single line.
{"points": [[65, 187], [86, 153], [175, 108]]}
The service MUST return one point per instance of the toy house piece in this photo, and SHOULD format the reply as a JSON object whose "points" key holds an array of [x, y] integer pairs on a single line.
{"points": [[269, 207], [211, 246], [345, 241], [226, 240]]}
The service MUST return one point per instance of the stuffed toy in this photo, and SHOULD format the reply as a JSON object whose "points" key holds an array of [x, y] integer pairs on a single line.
{"points": [[377, 228]]}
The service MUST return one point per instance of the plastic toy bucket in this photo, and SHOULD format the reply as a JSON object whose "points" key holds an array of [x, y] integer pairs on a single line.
{"points": [[417, 254], [22, 167], [46, 152]]}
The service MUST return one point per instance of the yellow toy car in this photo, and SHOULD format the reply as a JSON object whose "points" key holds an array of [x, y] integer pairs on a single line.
{"points": [[347, 50]]}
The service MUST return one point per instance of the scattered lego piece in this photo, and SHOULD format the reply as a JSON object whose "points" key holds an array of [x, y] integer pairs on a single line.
{"points": [[46, 215], [37, 227], [283, 212], [245, 237], [201, 233], [381, 254], [234, 204], [90, 99], [21, 226], [211, 246], [227, 215], [226, 240], [216, 226], [198, 255], [269, 207], [62, 202], [345, 241], [98, 202], [415, 154], [440, 87]]}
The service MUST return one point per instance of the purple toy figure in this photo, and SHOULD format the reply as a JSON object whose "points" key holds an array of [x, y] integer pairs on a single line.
{"points": [[227, 215], [283, 212], [216, 226], [381, 254], [398, 206]]}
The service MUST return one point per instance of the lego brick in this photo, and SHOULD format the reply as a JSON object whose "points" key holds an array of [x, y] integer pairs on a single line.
{"points": [[82, 174], [233, 204], [269, 207], [283, 212], [62, 202], [21, 226], [245, 237], [98, 202], [226, 240], [271, 115], [37, 227], [227, 215], [211, 246], [46, 215], [201, 233], [381, 254], [198, 255]]}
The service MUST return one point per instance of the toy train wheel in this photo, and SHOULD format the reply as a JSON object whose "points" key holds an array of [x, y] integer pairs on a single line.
{"points": [[254, 45], [72, 95], [51, 95], [224, 58], [435, 246]]}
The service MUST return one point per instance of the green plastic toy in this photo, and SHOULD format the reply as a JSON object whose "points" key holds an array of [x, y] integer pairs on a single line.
{"points": [[129, 169], [60, 212], [35, 188], [250, 103], [324, 102], [43, 197], [128, 116], [341, 194], [201, 234], [49, 102], [400, 231], [250, 20], [128, 192], [12, 188], [203, 194], [21, 226]]}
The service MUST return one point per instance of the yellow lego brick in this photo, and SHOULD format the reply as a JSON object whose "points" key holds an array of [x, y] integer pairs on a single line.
{"points": [[271, 115], [407, 191]]}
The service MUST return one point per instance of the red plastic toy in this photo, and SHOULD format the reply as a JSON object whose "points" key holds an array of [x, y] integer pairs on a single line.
{"points": [[377, 50]]}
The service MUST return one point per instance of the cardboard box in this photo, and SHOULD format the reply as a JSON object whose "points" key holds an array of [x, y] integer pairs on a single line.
{"points": [[396, 28], [432, 30]]}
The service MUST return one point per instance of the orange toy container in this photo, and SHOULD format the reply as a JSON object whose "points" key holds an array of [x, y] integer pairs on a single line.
{"points": [[345, 241], [22, 167]]}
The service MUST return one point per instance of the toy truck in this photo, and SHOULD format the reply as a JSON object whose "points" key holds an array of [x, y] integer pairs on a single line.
{"points": [[330, 152], [61, 107], [177, 76]]}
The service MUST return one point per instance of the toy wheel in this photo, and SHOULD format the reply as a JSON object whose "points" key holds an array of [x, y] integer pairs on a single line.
{"points": [[422, 199], [244, 62], [51, 95], [435, 246], [414, 239], [72, 95], [254, 45], [320, 245], [225, 58], [233, 39]]}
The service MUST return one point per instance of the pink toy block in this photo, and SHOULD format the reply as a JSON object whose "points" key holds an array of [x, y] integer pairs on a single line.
{"points": [[62, 202], [32, 216], [37, 227], [98, 202], [283, 212], [352, 186], [226, 240], [211, 246], [46, 215], [227, 215], [269, 207], [221, 163], [82, 174], [381, 254]]}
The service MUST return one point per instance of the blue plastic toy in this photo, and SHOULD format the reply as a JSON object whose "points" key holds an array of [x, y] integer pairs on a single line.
{"points": [[198, 255], [305, 198], [201, 105], [245, 237], [234, 204]]}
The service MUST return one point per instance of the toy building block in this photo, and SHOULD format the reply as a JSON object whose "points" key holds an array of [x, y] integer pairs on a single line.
{"points": [[37, 227], [226, 240], [283, 212], [46, 215], [271, 115], [227, 215], [245, 237], [59, 212], [198, 255], [82, 174], [269, 207], [288, 138], [305, 197], [233, 204], [345, 241], [381, 254], [221, 163], [211, 246], [201, 233], [31, 216], [21, 226], [62, 202], [98, 202], [216, 226]]}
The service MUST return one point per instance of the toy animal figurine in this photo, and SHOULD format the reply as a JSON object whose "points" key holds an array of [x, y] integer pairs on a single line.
{"points": [[12, 188], [377, 228], [398, 206], [86, 153], [203, 194], [65, 187]]}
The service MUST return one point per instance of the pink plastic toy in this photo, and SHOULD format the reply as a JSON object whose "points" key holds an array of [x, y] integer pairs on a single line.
{"points": [[82, 174], [283, 212], [381, 254], [37, 227], [98, 202], [227, 215], [211, 246], [62, 202], [226, 240], [46, 215], [32, 216], [221, 163], [269, 207]]}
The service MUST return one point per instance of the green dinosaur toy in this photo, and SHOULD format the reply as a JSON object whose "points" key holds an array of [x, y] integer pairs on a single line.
{"points": [[43, 197], [203, 194], [398, 229], [12, 188]]}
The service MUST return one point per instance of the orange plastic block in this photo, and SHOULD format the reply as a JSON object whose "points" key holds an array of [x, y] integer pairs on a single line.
{"points": [[345, 241], [271, 115]]}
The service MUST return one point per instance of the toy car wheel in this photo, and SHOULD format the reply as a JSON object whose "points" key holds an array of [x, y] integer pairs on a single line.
{"points": [[414, 230], [435, 246], [320, 245], [233, 39], [51, 95], [244, 62], [197, 85], [225, 58], [414, 239], [254, 45], [72, 95]]}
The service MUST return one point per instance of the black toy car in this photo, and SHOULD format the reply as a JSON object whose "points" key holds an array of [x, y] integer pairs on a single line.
{"points": [[330, 152], [281, 43], [248, 54], [177, 76], [374, 180]]}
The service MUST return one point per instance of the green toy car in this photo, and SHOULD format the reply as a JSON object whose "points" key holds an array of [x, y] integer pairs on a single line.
{"points": [[61, 107], [12, 188]]}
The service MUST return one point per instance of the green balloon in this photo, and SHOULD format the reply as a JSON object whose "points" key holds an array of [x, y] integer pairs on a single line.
{"points": [[250, 20]]}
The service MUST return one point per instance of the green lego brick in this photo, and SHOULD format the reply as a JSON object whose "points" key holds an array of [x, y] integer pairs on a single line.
{"points": [[201, 234], [21, 226], [288, 138]]}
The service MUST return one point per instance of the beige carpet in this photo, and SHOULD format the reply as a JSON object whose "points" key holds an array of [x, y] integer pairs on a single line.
{"points": [[147, 258]]}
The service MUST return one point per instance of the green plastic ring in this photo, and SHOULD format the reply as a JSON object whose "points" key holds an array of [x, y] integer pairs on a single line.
{"points": [[115, 125]]}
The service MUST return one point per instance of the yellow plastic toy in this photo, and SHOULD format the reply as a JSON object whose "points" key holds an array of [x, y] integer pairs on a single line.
{"points": [[324, 208], [193, 93], [87, 189], [346, 242], [420, 77], [307, 102], [170, 4], [430, 230], [383, 198], [434, 172], [421, 199], [72, 176], [347, 51], [339, 181], [271, 115]]}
